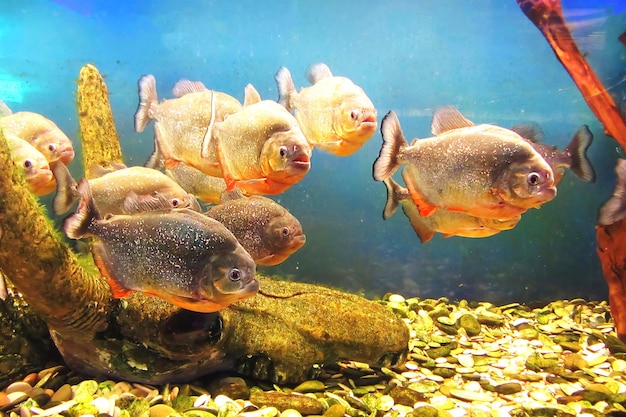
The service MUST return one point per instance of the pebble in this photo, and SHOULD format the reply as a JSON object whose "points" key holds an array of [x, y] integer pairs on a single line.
{"points": [[466, 359]]}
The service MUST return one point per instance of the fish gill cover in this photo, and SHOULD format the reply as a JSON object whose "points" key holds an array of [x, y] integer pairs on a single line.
{"points": [[483, 57]]}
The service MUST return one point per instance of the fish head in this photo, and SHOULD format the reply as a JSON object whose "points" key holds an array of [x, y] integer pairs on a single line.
{"points": [[528, 183], [229, 276], [283, 236], [286, 156], [33, 165], [53, 144], [355, 117]]}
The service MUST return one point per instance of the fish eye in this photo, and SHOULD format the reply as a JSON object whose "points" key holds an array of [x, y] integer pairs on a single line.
{"points": [[354, 115], [283, 151], [28, 163], [234, 274], [533, 178], [52, 147], [175, 202], [285, 232]]}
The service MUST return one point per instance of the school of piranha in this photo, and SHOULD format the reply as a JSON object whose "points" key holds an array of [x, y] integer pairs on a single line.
{"points": [[150, 234]]}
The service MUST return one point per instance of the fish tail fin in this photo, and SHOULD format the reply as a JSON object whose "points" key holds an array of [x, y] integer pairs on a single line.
{"points": [[147, 98], [286, 87], [67, 192], [615, 208], [318, 72], [393, 139], [394, 190], [78, 224], [581, 166]]}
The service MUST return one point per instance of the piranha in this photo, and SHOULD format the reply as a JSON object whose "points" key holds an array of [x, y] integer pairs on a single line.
{"points": [[117, 191], [481, 170], [205, 187], [260, 149], [33, 164], [264, 228], [615, 207], [574, 156], [179, 255], [334, 113], [40, 132], [445, 222], [181, 123]]}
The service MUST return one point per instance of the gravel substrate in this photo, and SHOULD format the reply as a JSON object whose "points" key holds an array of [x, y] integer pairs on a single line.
{"points": [[465, 359]]}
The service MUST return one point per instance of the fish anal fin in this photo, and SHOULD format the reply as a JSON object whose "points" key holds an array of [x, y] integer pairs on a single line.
{"points": [[424, 207], [117, 291], [448, 118], [101, 259]]}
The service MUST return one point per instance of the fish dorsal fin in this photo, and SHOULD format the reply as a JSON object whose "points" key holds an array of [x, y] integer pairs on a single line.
{"points": [[250, 95], [4, 109], [97, 170], [318, 72], [529, 131], [231, 195], [448, 118], [139, 203], [183, 87]]}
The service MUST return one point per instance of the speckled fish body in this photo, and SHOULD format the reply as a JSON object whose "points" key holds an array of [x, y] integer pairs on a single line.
{"points": [[263, 227], [40, 132], [481, 170], [205, 187], [33, 164], [180, 255], [442, 221], [181, 123], [334, 113], [261, 149], [116, 192]]}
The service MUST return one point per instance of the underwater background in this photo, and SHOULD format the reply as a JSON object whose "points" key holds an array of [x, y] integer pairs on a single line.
{"points": [[483, 56]]}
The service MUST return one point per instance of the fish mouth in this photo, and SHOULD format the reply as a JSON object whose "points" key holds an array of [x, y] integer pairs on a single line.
{"points": [[66, 156], [301, 162]]}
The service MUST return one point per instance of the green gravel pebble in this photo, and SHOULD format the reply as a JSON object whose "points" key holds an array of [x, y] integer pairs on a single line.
{"points": [[310, 386], [470, 324]]}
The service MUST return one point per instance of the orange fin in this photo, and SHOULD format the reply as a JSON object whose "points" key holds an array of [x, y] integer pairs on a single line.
{"points": [[117, 290], [424, 207], [100, 258]]}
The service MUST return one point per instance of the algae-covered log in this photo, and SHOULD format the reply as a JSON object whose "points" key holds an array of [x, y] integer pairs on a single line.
{"points": [[43, 268], [99, 137]]}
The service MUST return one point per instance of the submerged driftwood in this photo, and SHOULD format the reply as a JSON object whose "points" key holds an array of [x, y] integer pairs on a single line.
{"points": [[279, 335], [547, 15]]}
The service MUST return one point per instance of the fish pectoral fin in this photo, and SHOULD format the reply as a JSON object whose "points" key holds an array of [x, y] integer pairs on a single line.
{"points": [[101, 259], [170, 163]]}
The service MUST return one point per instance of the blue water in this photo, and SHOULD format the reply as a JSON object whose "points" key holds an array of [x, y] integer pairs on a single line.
{"points": [[483, 56]]}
